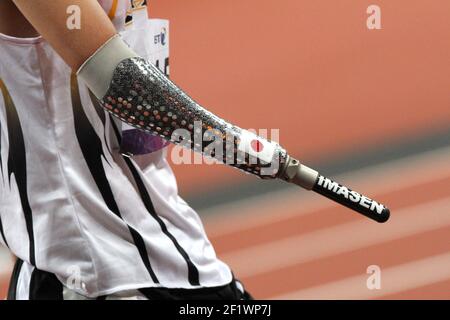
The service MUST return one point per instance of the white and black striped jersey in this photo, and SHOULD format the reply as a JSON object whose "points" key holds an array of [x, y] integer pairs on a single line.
{"points": [[70, 203], [30, 283]]}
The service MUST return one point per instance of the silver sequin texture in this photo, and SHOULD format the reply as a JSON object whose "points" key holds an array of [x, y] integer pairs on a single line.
{"points": [[142, 96]]}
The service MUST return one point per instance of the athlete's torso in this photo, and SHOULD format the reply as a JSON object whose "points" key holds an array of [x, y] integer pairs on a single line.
{"points": [[70, 203]]}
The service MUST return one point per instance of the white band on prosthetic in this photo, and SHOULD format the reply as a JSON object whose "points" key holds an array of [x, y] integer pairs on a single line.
{"points": [[97, 71]]}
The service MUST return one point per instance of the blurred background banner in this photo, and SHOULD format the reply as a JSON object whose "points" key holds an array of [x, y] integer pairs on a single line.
{"points": [[368, 106]]}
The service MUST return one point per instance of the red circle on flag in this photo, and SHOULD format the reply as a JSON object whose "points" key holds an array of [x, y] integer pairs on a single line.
{"points": [[257, 145]]}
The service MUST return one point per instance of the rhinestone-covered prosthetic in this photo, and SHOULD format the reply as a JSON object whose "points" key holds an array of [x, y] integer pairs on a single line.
{"points": [[142, 96]]}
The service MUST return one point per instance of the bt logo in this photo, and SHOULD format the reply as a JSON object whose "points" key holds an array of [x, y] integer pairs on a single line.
{"points": [[161, 37]]}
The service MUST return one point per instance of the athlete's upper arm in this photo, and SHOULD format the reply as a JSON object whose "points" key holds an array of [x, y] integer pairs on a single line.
{"points": [[50, 19]]}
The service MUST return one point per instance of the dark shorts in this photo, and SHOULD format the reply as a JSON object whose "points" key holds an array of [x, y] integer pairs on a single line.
{"points": [[45, 286]]}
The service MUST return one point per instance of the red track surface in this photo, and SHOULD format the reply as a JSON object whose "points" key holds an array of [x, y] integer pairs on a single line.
{"points": [[311, 69], [316, 252]]}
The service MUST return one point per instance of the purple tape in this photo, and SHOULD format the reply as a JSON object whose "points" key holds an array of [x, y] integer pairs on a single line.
{"points": [[137, 142]]}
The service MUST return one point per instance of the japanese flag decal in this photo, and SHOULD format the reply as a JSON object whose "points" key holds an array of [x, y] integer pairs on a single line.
{"points": [[255, 146]]}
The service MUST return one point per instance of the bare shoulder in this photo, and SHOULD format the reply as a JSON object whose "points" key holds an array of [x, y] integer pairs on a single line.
{"points": [[13, 23]]}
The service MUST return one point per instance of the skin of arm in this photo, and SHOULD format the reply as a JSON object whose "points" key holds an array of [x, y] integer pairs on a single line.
{"points": [[75, 46]]}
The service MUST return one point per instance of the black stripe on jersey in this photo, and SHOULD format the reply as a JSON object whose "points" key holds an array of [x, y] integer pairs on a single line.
{"points": [[2, 233], [138, 4], [91, 147], [1, 160], [44, 286], [12, 290], [193, 274], [17, 164], [101, 114], [128, 18]]}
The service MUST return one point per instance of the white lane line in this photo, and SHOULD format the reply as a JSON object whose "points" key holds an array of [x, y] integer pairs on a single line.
{"points": [[338, 239], [393, 280], [282, 205]]}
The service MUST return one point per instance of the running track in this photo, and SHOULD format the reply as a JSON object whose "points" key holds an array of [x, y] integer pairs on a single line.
{"points": [[291, 247]]}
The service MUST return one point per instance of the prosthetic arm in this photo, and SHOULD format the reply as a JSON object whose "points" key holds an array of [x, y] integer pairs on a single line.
{"points": [[135, 91]]}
